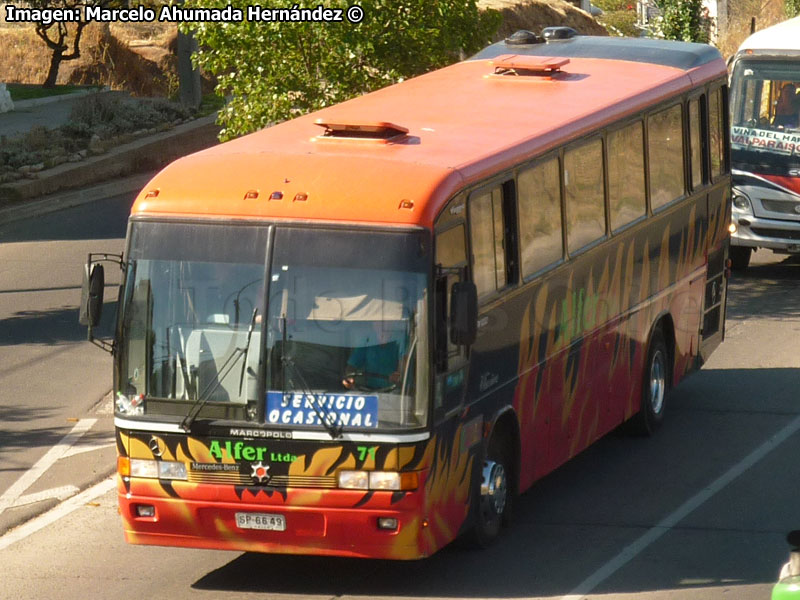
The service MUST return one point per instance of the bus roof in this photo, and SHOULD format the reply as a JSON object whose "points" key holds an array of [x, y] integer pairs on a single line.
{"points": [[783, 36], [464, 123]]}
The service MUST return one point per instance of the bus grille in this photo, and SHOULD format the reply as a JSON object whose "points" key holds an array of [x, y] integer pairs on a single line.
{"points": [[780, 206], [305, 481], [786, 234]]}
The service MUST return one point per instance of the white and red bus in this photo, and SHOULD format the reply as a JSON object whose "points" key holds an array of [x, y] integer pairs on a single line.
{"points": [[765, 142]]}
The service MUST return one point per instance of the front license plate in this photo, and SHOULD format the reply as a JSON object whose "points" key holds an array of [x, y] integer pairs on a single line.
{"points": [[260, 521]]}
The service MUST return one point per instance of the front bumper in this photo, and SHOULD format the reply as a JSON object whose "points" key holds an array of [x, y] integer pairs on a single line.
{"points": [[318, 522], [757, 232]]}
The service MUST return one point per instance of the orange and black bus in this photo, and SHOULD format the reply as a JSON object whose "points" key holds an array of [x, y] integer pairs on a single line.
{"points": [[365, 331]]}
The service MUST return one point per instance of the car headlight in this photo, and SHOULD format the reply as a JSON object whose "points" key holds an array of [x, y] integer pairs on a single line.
{"points": [[742, 203]]}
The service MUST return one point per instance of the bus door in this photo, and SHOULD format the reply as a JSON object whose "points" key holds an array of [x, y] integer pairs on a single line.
{"points": [[450, 358]]}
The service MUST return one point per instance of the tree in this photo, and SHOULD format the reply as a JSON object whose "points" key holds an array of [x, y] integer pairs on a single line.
{"points": [[60, 37], [278, 70], [684, 20]]}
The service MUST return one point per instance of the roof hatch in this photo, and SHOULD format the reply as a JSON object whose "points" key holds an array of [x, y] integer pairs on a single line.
{"points": [[379, 131], [526, 66]]}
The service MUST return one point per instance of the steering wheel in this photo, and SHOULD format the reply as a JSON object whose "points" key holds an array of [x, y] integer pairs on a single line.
{"points": [[359, 381]]}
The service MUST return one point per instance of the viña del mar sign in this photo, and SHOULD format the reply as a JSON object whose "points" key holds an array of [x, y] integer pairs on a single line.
{"points": [[781, 142]]}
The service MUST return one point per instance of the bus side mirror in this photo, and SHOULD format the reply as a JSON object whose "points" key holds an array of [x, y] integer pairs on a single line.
{"points": [[463, 313], [91, 308]]}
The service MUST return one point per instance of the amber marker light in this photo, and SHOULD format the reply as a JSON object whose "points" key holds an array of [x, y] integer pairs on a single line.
{"points": [[732, 227], [124, 466], [152, 194], [251, 195], [406, 205], [300, 197]]}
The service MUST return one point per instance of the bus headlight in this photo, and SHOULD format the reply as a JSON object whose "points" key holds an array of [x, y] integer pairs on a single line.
{"points": [[378, 480], [157, 469], [742, 203], [354, 480]]}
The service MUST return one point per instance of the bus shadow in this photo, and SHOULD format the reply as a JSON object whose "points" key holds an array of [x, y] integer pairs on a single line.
{"points": [[766, 289], [52, 327], [101, 220], [576, 520]]}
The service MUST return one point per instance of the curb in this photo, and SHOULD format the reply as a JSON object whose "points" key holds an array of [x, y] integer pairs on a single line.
{"points": [[145, 154], [63, 200]]}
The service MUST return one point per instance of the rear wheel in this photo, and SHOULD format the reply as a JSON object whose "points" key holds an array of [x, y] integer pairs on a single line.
{"points": [[495, 496], [655, 385], [740, 257]]}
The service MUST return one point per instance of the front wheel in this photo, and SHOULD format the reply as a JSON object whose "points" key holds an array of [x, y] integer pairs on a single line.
{"points": [[655, 385], [740, 257], [495, 496]]}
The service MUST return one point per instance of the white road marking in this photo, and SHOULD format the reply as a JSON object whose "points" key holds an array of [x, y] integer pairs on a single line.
{"points": [[87, 448], [28, 478], [59, 493], [60, 511], [664, 526]]}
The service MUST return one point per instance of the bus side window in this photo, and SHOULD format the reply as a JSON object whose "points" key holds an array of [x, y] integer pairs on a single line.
{"points": [[583, 187], [626, 187], [451, 256], [540, 216], [717, 131], [488, 229], [665, 140], [695, 143]]}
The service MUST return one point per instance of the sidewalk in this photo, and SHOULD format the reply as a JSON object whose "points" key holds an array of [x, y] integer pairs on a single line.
{"points": [[49, 112]]}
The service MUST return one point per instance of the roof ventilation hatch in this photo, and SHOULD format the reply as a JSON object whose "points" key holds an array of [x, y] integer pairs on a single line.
{"points": [[527, 67], [374, 131]]}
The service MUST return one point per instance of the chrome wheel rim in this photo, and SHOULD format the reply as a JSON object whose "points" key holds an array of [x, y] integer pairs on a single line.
{"points": [[658, 382], [494, 488]]}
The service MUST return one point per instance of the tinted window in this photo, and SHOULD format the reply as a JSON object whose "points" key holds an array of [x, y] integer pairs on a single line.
{"points": [[665, 138], [583, 187], [626, 194], [695, 142], [540, 216], [716, 131], [486, 227]]}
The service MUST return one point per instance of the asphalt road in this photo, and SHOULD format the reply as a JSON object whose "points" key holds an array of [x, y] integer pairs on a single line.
{"points": [[50, 376], [698, 511]]}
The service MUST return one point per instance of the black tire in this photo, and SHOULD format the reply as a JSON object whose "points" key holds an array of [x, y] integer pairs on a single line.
{"points": [[740, 257], [494, 497], [656, 379]]}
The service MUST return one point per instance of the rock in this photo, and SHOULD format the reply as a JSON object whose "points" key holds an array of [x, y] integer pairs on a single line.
{"points": [[6, 103], [96, 145], [37, 167], [75, 157], [83, 153]]}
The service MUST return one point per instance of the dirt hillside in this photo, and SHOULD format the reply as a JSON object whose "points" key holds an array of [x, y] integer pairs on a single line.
{"points": [[535, 15], [139, 57]]}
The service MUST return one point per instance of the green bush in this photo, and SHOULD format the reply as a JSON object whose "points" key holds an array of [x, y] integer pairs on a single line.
{"points": [[277, 70]]}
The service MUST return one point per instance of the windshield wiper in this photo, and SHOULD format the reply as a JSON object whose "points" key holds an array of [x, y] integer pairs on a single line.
{"points": [[322, 412], [211, 387]]}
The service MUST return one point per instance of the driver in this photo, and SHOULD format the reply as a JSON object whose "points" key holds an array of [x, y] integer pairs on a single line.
{"points": [[376, 363]]}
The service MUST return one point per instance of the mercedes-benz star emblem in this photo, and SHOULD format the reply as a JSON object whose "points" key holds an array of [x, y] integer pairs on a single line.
{"points": [[155, 446], [260, 472]]}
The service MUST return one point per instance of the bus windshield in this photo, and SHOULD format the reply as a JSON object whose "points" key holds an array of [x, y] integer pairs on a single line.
{"points": [[345, 321], [765, 115]]}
